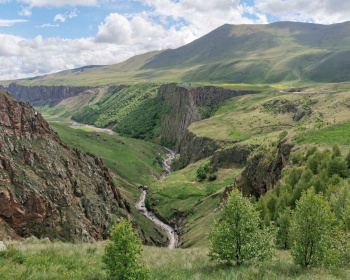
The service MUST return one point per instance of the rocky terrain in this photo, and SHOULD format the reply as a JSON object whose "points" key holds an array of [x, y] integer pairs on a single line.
{"points": [[190, 104], [39, 95], [46, 188]]}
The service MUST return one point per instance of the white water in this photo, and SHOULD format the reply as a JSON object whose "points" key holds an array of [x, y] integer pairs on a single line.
{"points": [[140, 205]]}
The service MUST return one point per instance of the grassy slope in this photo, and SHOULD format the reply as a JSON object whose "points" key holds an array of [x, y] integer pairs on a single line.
{"points": [[181, 195], [46, 260], [272, 53], [255, 119], [132, 164]]}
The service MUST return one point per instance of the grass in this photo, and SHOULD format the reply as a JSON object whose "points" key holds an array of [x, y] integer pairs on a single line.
{"points": [[258, 118], [133, 160], [180, 195], [41, 259], [339, 133]]}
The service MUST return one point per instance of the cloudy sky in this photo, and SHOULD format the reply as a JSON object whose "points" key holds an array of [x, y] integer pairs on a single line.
{"points": [[45, 36]]}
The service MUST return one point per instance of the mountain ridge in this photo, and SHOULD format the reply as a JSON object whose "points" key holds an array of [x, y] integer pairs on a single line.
{"points": [[272, 53]]}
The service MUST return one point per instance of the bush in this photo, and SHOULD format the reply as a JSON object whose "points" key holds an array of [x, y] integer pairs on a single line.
{"points": [[122, 254], [296, 157], [212, 177], [202, 171], [238, 237], [311, 230]]}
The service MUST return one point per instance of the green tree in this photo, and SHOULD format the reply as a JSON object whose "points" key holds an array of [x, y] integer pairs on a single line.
{"points": [[283, 224], [335, 151], [202, 171], [311, 230], [238, 238], [122, 254], [347, 159], [337, 166]]}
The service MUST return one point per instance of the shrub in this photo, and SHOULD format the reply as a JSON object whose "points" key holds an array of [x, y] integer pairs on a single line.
{"points": [[335, 151], [122, 254], [296, 157], [212, 177], [238, 237], [311, 230], [202, 171]]}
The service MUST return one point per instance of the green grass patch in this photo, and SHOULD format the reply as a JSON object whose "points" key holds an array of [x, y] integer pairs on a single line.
{"points": [[40, 259], [334, 134], [133, 160]]}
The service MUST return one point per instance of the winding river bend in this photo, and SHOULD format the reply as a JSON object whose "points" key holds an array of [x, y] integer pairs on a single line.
{"points": [[140, 205]]}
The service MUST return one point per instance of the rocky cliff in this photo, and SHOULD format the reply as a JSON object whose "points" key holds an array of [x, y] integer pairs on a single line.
{"points": [[46, 188], [188, 104], [261, 172], [38, 95]]}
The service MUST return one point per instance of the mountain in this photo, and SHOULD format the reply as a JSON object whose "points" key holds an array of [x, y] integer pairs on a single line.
{"points": [[269, 53], [48, 189]]}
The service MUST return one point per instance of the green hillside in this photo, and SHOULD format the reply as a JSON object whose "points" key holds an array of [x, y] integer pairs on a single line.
{"points": [[269, 53]]}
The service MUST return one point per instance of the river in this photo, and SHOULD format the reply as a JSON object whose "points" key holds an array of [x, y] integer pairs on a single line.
{"points": [[140, 205]]}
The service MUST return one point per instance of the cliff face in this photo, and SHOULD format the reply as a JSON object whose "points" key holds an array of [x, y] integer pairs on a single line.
{"points": [[42, 94], [226, 158], [261, 173], [46, 188], [189, 104]]}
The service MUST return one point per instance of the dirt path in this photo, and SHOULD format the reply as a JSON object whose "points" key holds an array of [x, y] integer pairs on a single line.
{"points": [[140, 205]]}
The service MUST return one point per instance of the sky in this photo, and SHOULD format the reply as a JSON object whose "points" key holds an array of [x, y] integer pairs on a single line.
{"points": [[46, 36]]}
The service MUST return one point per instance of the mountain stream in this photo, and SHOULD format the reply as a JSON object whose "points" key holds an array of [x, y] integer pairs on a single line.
{"points": [[140, 205]]}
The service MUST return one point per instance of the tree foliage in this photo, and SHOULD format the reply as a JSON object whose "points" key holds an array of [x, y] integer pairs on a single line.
{"points": [[283, 224], [202, 171], [122, 254], [238, 238], [311, 230]]}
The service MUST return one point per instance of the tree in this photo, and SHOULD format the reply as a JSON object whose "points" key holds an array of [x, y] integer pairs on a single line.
{"points": [[283, 224], [202, 171], [335, 151], [238, 237], [337, 166], [311, 230], [122, 254]]}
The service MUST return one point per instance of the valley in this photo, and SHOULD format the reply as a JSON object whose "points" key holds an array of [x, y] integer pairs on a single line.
{"points": [[163, 138]]}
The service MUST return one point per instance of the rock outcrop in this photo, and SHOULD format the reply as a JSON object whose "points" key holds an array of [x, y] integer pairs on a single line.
{"points": [[188, 104], [194, 148], [262, 173], [230, 156], [48, 189], [39, 95]]}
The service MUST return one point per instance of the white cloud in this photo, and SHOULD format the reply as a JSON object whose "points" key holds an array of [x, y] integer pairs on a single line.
{"points": [[10, 22], [4, 1], [116, 29], [20, 57], [27, 10], [66, 15], [47, 25], [325, 11], [59, 3], [59, 17]]}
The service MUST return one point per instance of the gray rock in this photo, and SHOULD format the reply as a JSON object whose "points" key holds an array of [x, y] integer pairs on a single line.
{"points": [[299, 115], [2, 246]]}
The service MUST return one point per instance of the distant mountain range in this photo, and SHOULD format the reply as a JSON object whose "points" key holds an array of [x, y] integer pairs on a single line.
{"points": [[270, 53]]}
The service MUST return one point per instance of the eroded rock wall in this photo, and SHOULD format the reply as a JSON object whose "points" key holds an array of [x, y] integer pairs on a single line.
{"points": [[43, 94], [48, 189], [261, 173], [188, 104]]}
